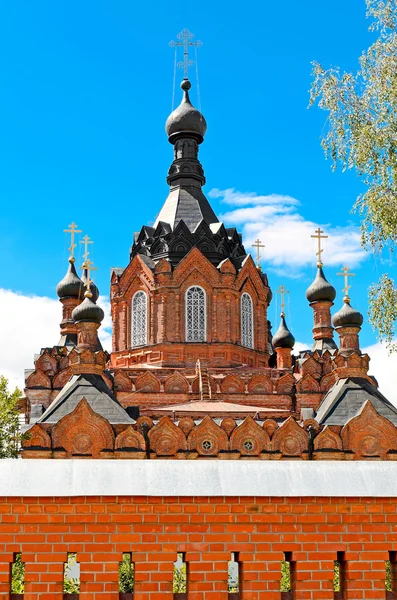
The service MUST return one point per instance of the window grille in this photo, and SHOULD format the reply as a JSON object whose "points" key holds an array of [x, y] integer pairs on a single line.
{"points": [[247, 322], [195, 315], [139, 319]]}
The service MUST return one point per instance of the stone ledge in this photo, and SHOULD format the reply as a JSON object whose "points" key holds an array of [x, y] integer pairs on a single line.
{"points": [[104, 477]]}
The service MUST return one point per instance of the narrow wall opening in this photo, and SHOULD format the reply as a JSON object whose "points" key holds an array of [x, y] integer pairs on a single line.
{"points": [[233, 577], [391, 577], [287, 581], [71, 577], [179, 583], [126, 577], [339, 576], [17, 572]]}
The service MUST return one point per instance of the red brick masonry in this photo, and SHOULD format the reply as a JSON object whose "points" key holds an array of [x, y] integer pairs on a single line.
{"points": [[207, 529]]}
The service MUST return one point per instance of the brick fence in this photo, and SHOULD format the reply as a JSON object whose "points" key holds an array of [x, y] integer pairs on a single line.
{"points": [[309, 514], [207, 530]]}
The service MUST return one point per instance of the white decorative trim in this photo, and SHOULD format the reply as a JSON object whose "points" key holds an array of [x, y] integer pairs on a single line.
{"points": [[201, 336], [39, 477]]}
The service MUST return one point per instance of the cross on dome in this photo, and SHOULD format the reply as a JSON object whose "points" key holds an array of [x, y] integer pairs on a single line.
{"points": [[86, 241], [345, 274], [320, 250], [185, 38], [88, 265], [282, 290], [73, 230], [258, 244]]}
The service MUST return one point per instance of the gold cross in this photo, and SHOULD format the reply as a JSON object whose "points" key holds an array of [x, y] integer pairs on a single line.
{"points": [[89, 266], [319, 237], [72, 232], [258, 244], [345, 273], [86, 240], [282, 290]]}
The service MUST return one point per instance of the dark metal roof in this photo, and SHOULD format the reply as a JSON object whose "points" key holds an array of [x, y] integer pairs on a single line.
{"points": [[347, 397], [95, 391], [283, 338], [320, 289], [186, 204], [324, 344]]}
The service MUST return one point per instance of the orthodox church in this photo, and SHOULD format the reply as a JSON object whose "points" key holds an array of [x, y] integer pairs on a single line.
{"points": [[194, 370]]}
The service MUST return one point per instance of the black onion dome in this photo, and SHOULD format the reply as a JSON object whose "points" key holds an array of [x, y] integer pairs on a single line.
{"points": [[71, 285], [88, 311], [283, 338], [93, 288], [347, 316], [320, 289], [185, 118]]}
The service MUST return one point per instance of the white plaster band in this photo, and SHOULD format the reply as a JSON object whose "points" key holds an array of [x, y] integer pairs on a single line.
{"points": [[37, 477]]}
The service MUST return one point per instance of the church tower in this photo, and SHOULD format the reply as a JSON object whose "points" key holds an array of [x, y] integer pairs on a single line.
{"points": [[190, 291]]}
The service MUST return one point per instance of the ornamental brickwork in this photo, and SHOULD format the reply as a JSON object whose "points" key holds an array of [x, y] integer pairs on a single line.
{"points": [[194, 371]]}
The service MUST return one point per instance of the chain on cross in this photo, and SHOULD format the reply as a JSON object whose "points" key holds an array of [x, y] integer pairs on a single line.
{"points": [[320, 250], [282, 290], [185, 40], [72, 230], [345, 274], [258, 245]]}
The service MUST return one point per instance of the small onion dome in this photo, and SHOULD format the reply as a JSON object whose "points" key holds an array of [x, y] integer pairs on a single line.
{"points": [[93, 287], [347, 316], [283, 338], [320, 289], [88, 311], [70, 286], [185, 118]]}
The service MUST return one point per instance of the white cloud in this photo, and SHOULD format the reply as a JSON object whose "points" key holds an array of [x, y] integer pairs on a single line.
{"points": [[29, 323], [276, 220], [383, 366], [300, 347]]}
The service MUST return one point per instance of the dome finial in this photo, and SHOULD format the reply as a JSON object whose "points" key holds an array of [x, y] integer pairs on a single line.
{"points": [[185, 120]]}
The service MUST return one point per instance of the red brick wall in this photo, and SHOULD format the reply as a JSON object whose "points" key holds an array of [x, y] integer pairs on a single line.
{"points": [[154, 529]]}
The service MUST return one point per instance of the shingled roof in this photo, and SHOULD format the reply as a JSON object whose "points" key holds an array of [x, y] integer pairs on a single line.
{"points": [[95, 391], [347, 397]]}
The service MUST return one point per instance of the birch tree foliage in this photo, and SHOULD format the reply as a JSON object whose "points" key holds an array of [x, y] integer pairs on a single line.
{"points": [[10, 435], [361, 134]]}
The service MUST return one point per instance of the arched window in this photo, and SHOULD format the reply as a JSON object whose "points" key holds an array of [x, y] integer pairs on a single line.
{"points": [[195, 315], [247, 321], [139, 319]]}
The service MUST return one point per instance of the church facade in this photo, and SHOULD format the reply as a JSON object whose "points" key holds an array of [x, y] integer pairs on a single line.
{"points": [[194, 370], [201, 440]]}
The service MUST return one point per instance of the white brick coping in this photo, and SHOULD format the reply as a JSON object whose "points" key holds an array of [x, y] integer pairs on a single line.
{"points": [[38, 477]]}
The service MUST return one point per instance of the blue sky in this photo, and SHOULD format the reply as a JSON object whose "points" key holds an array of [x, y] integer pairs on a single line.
{"points": [[85, 89]]}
